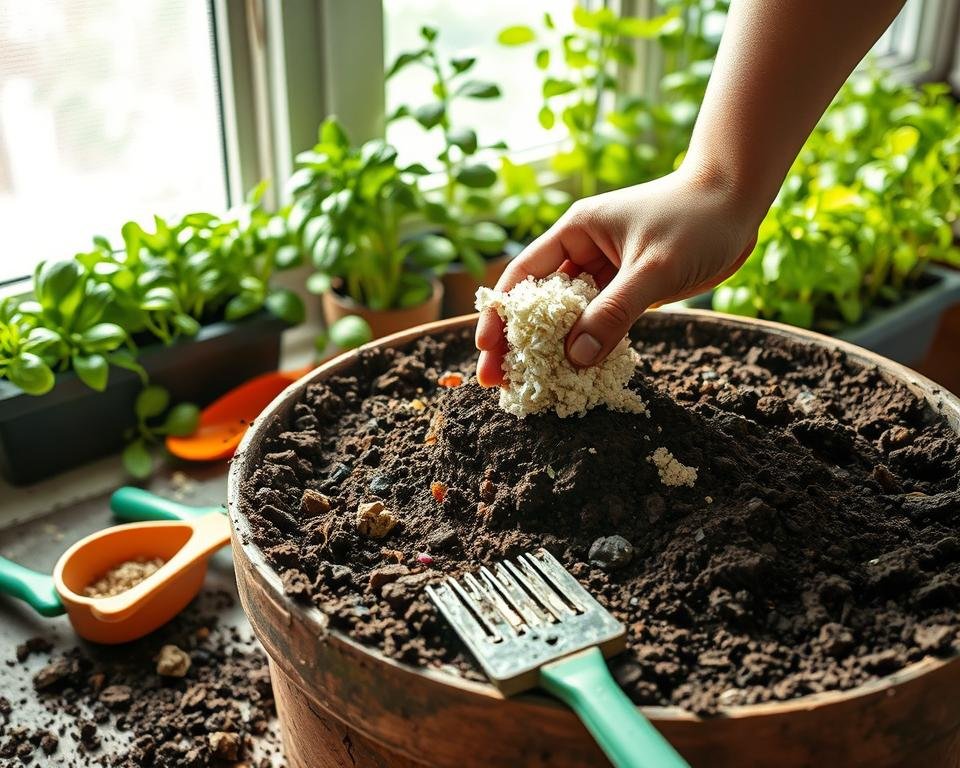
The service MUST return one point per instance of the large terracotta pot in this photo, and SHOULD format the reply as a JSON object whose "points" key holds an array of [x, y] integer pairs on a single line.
{"points": [[460, 287], [383, 322], [343, 704]]}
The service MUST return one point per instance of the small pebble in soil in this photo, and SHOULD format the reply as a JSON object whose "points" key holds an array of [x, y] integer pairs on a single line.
{"points": [[374, 520], [381, 484], [424, 559], [340, 473], [611, 552], [172, 662]]}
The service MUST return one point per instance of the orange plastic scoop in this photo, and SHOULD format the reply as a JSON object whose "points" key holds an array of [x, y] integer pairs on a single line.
{"points": [[183, 537], [224, 422]]}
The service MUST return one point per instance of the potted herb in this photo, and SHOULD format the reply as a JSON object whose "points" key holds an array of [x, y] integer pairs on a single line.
{"points": [[349, 205], [188, 307], [849, 246], [527, 208], [462, 208], [609, 135]]}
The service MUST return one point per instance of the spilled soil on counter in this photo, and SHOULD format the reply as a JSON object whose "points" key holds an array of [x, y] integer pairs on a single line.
{"points": [[818, 548]]}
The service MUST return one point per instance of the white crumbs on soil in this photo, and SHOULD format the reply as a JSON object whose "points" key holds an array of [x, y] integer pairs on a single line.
{"points": [[538, 315], [671, 471]]}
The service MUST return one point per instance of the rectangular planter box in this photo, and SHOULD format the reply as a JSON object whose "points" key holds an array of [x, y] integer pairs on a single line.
{"points": [[72, 424], [904, 332]]}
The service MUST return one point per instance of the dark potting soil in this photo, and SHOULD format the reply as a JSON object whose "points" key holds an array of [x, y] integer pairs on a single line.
{"points": [[817, 550], [110, 707]]}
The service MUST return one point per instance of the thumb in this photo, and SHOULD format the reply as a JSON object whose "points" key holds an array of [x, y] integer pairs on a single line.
{"points": [[609, 316]]}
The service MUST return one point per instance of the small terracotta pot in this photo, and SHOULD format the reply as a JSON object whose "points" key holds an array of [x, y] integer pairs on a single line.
{"points": [[460, 287], [342, 704], [383, 322]]}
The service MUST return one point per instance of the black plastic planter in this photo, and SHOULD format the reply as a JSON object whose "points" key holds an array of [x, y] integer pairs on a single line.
{"points": [[903, 332], [72, 424]]}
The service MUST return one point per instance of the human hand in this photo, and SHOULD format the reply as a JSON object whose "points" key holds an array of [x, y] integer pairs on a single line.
{"points": [[644, 245]]}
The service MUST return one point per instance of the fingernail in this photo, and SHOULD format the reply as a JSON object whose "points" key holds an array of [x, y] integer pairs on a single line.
{"points": [[584, 349]]}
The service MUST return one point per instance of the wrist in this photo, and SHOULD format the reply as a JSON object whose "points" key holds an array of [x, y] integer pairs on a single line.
{"points": [[727, 182]]}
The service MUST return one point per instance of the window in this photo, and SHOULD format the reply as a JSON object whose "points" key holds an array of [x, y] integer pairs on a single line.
{"points": [[470, 28], [108, 112]]}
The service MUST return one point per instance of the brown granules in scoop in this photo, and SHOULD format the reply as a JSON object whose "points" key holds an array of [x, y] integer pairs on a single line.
{"points": [[122, 577]]}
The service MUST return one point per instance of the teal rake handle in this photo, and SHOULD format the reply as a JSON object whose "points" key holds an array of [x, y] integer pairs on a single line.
{"points": [[34, 588], [583, 682], [135, 505]]}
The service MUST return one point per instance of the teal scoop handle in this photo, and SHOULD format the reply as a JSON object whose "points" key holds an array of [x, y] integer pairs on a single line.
{"points": [[584, 683], [34, 588], [129, 505], [135, 505]]}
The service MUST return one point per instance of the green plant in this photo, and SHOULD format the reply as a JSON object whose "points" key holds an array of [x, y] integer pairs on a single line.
{"points": [[66, 323], [169, 281], [467, 180], [348, 204], [527, 207], [580, 88], [152, 405], [872, 198], [20, 362]]}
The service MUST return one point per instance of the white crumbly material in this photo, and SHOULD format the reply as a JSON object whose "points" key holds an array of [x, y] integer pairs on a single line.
{"points": [[538, 315], [671, 471]]}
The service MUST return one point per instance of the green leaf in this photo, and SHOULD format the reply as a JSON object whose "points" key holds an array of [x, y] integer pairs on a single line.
{"points": [[462, 64], [57, 284], [519, 34], [93, 370], [465, 138], [331, 132], [183, 420], [159, 299], [151, 402], [123, 359], [556, 87], [186, 324], [417, 169], [798, 313], [543, 58], [632, 26], [137, 460], [477, 176], [432, 251], [103, 337], [486, 237], [428, 33], [404, 60], [546, 117], [286, 305], [30, 373], [414, 290], [479, 89], [429, 115], [350, 332], [242, 305], [318, 282], [737, 300], [473, 262], [288, 257]]}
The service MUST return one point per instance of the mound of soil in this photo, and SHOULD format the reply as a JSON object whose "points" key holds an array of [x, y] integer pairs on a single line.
{"points": [[817, 549]]}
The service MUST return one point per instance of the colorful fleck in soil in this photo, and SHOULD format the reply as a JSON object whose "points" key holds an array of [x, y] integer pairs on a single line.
{"points": [[816, 549]]}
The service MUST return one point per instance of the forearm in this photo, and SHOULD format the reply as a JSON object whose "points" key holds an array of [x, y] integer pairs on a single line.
{"points": [[779, 65]]}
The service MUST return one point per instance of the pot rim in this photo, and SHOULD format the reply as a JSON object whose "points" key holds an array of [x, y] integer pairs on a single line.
{"points": [[940, 400]]}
